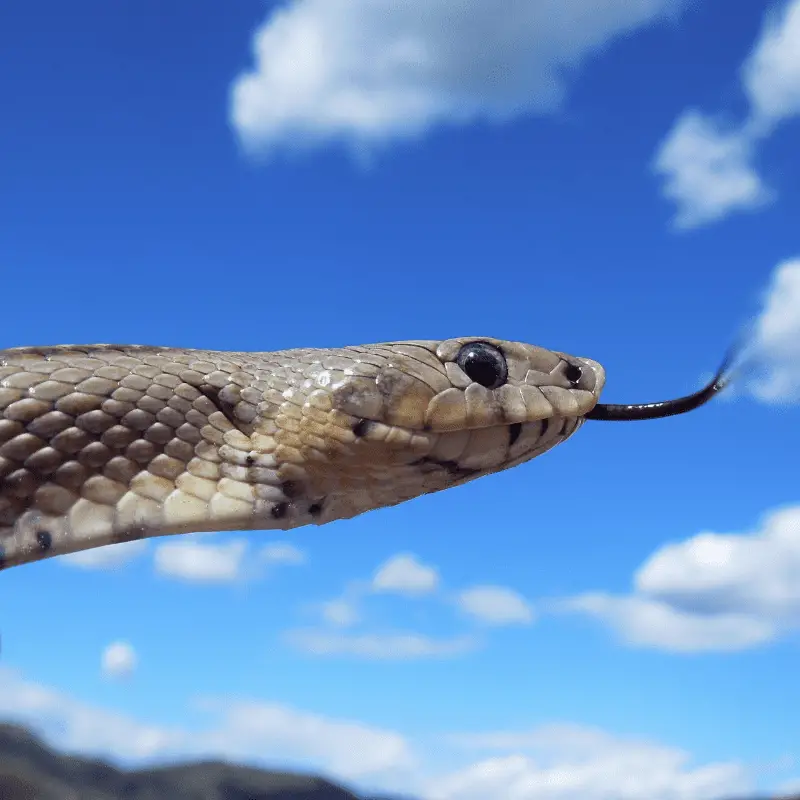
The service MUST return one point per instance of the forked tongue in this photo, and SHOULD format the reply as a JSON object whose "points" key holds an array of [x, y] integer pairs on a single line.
{"points": [[619, 412]]}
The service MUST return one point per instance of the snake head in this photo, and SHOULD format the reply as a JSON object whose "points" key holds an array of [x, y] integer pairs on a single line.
{"points": [[427, 415]]}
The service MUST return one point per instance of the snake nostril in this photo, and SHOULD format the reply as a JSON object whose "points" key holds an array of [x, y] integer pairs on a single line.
{"points": [[573, 373], [514, 431], [45, 540], [315, 509], [280, 510]]}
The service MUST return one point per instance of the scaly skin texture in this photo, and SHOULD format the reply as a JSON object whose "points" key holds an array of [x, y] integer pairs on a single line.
{"points": [[104, 443]]}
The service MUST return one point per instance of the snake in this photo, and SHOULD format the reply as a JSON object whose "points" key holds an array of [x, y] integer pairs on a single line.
{"points": [[103, 444]]}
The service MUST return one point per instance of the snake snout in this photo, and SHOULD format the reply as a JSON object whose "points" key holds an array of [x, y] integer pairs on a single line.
{"points": [[593, 375]]}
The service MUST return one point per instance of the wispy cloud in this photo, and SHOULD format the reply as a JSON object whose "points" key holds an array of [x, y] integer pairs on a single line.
{"points": [[109, 557], [395, 646], [366, 73], [243, 730], [495, 605], [644, 622], [707, 166], [712, 592], [282, 553], [573, 762], [341, 612], [195, 560]]}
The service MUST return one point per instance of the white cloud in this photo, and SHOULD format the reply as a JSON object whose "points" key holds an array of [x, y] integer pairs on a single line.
{"points": [[708, 171], [118, 660], [366, 72], [649, 623], [340, 612], [108, 557], [755, 573], [771, 75], [570, 762], [404, 574], [78, 727], [202, 563], [495, 605], [710, 592], [347, 748], [238, 730], [383, 647], [282, 553], [776, 340]]}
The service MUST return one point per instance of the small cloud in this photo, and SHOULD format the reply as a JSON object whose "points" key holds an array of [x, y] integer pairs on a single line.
{"points": [[404, 574], [495, 605], [776, 339], [108, 557], [709, 172], [194, 562], [282, 553], [382, 647], [118, 660], [341, 613]]}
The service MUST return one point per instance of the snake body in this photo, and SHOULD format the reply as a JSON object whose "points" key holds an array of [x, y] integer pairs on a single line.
{"points": [[103, 443]]}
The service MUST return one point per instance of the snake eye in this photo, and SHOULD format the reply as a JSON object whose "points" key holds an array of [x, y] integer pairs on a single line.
{"points": [[573, 373], [483, 364]]}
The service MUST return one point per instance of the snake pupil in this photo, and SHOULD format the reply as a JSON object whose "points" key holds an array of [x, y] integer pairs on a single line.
{"points": [[573, 373], [484, 364]]}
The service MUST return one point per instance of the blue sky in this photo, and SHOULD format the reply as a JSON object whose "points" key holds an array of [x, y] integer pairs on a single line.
{"points": [[616, 181]]}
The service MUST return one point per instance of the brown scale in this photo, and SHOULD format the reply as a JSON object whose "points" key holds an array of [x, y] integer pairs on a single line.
{"points": [[63, 428]]}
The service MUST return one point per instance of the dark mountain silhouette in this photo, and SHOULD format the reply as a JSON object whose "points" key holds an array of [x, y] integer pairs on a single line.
{"points": [[29, 770]]}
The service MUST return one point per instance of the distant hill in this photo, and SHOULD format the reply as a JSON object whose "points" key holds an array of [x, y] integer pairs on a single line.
{"points": [[29, 770]]}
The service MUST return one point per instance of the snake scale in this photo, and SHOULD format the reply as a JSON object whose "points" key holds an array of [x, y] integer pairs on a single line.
{"points": [[101, 444]]}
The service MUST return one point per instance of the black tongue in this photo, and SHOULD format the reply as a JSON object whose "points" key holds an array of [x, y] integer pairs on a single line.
{"points": [[619, 412]]}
